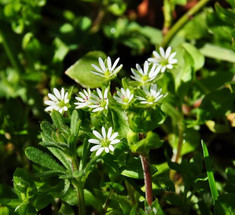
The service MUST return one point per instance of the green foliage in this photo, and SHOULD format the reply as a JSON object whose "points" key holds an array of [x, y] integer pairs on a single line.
{"points": [[39, 40]]}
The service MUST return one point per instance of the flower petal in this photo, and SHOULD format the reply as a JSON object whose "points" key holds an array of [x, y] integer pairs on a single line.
{"points": [[94, 148], [99, 151]]}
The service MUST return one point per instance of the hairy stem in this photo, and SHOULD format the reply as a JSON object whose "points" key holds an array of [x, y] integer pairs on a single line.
{"points": [[147, 179], [182, 21]]}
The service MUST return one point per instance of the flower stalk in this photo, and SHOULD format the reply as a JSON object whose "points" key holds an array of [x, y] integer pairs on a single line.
{"points": [[182, 21], [147, 179]]}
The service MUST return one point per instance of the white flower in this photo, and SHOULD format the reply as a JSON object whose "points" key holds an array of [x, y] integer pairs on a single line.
{"points": [[146, 75], [100, 102], [104, 141], [124, 96], [83, 99], [164, 60], [59, 101], [106, 70], [151, 95]]}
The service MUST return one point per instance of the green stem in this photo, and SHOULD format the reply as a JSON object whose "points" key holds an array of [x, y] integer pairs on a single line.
{"points": [[9, 48], [167, 11], [81, 199], [182, 21]]}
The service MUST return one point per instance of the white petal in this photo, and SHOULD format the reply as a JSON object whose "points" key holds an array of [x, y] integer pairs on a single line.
{"points": [[169, 66], [111, 147], [52, 97], [117, 69], [168, 52], [163, 69], [101, 62], [97, 68], [97, 134], [172, 55], [94, 141], [106, 149], [99, 93], [96, 73], [109, 63], [156, 55], [106, 93], [98, 109], [115, 141], [49, 102], [94, 148], [139, 69], [113, 136], [57, 93], [146, 67], [103, 132], [173, 61], [62, 93], [115, 64], [99, 151], [109, 133], [162, 52], [50, 108]]}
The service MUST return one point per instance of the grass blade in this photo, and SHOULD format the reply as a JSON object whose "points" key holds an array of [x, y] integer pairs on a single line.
{"points": [[210, 174]]}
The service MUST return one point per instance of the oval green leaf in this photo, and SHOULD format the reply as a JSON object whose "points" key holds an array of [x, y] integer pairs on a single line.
{"points": [[81, 70]]}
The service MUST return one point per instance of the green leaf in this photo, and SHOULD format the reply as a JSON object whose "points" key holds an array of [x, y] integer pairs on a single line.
{"points": [[198, 58], [61, 157], [23, 184], [81, 70], [25, 208], [57, 119], [42, 200], [66, 209], [151, 141], [42, 159], [120, 122], [61, 146], [143, 120], [5, 211], [216, 104], [47, 128], [210, 174], [133, 169], [225, 204], [75, 123], [217, 52], [8, 197]]}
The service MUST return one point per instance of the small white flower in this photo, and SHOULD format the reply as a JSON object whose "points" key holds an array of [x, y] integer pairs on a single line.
{"points": [[151, 95], [164, 60], [100, 102], [59, 101], [83, 99], [104, 141], [146, 74], [124, 96], [106, 69]]}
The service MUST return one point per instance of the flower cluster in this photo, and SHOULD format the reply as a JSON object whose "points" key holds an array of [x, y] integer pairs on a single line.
{"points": [[97, 100]]}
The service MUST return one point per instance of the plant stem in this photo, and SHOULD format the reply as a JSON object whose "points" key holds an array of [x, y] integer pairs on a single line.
{"points": [[9, 49], [147, 179], [81, 199], [182, 21]]}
